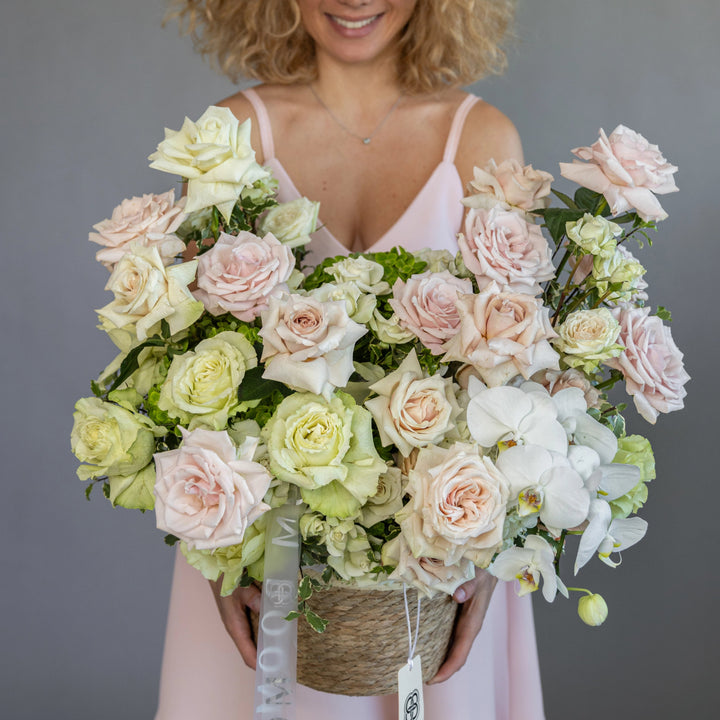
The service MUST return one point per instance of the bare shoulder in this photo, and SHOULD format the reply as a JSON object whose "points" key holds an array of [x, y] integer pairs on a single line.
{"points": [[242, 109], [488, 134]]}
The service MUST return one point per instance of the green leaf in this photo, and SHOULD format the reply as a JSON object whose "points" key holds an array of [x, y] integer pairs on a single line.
{"points": [[567, 200], [106, 489], [588, 200], [305, 590], [97, 389], [316, 622], [88, 490], [170, 540], [663, 313], [293, 615], [327, 574], [255, 387], [130, 362], [557, 218]]}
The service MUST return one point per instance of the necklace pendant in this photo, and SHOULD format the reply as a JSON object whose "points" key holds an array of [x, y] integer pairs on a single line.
{"points": [[366, 140]]}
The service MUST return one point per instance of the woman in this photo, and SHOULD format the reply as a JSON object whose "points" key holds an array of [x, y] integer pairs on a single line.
{"points": [[359, 109]]}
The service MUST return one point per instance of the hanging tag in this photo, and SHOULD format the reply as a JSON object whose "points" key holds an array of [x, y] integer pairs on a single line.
{"points": [[410, 691]]}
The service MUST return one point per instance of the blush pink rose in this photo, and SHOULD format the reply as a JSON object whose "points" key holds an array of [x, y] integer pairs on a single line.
{"points": [[425, 305], [308, 344], [502, 246], [457, 506], [239, 273], [627, 170], [510, 184], [502, 335], [555, 381], [208, 492], [149, 221], [651, 363]]}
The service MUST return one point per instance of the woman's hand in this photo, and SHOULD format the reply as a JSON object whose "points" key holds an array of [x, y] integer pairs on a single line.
{"points": [[235, 618], [475, 597]]}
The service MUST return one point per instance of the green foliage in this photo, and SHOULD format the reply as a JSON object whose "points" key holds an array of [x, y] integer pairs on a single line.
{"points": [[263, 411], [255, 387], [556, 220], [158, 416], [663, 313], [130, 363], [171, 540], [591, 201]]}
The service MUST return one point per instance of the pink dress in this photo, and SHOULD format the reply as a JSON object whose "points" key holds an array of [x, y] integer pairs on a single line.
{"points": [[203, 675]]}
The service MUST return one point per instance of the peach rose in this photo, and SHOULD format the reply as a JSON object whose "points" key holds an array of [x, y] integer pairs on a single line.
{"points": [[457, 506], [502, 246], [509, 184], [555, 381], [150, 221], [502, 335], [425, 305], [208, 492], [627, 170], [239, 273], [308, 344], [651, 363]]}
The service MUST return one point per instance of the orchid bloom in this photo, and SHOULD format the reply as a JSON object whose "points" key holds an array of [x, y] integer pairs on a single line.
{"points": [[606, 536], [528, 565]]}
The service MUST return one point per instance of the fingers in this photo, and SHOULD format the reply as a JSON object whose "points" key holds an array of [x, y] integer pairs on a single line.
{"points": [[234, 616]]}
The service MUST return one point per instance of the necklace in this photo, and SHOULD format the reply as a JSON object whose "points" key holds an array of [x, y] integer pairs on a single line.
{"points": [[365, 140]]}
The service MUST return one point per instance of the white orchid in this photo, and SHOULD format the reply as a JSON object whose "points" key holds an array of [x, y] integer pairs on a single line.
{"points": [[545, 482], [511, 416], [528, 565], [606, 536]]}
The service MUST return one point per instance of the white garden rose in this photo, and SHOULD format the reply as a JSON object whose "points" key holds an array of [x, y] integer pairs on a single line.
{"points": [[389, 330], [366, 274], [622, 267], [587, 338], [146, 293], [291, 222], [308, 344], [201, 388], [208, 492], [412, 410], [214, 155], [360, 307], [386, 501], [457, 506]]}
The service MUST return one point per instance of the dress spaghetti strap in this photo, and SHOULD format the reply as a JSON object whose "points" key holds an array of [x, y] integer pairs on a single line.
{"points": [[456, 128], [266, 137]]}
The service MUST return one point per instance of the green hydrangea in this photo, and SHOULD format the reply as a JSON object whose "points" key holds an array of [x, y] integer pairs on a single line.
{"points": [[634, 450]]}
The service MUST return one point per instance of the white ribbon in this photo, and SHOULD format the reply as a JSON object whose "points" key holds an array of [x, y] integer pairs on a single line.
{"points": [[276, 674], [411, 643]]}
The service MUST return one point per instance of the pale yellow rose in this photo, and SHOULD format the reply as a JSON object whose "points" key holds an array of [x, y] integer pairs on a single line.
{"points": [[214, 155], [389, 330], [366, 274], [588, 337], [291, 222]]}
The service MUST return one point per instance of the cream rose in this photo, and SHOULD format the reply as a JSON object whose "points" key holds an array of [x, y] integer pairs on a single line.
{"points": [[622, 267], [214, 155], [208, 491], [386, 501], [627, 170], [389, 330], [501, 246], [425, 305], [146, 292], [412, 410], [239, 273], [428, 575], [366, 274], [308, 344], [651, 363], [291, 222], [457, 506], [509, 184], [359, 306], [201, 388], [502, 335], [587, 338], [150, 221]]}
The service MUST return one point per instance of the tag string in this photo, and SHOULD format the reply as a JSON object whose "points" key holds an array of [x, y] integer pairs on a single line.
{"points": [[411, 643]]}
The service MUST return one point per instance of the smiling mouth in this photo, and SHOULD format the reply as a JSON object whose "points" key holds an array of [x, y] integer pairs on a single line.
{"points": [[354, 24]]}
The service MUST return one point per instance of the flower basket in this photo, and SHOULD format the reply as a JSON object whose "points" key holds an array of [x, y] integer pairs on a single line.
{"points": [[366, 640]]}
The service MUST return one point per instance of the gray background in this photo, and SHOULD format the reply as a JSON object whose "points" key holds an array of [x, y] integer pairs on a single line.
{"points": [[86, 88]]}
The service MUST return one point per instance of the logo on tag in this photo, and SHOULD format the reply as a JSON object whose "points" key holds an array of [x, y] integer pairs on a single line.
{"points": [[412, 706]]}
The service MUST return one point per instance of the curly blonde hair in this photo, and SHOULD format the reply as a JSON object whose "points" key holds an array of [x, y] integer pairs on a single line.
{"points": [[446, 43]]}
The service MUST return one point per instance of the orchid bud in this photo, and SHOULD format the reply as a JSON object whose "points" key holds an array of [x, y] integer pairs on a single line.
{"points": [[592, 609]]}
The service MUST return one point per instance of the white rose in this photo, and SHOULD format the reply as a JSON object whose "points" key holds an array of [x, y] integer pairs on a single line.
{"points": [[389, 330], [360, 307], [387, 501], [588, 337], [594, 234], [146, 292], [291, 222], [214, 155], [308, 344], [411, 410], [366, 274]]}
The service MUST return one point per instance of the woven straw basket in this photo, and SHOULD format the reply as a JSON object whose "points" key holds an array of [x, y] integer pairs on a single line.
{"points": [[366, 640]]}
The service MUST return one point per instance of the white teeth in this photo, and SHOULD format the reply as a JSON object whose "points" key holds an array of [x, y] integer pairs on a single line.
{"points": [[354, 24]]}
